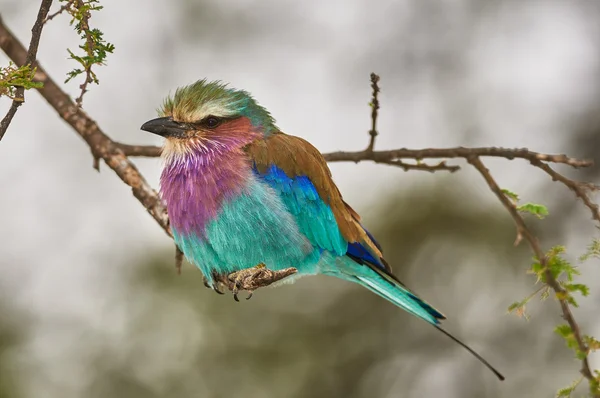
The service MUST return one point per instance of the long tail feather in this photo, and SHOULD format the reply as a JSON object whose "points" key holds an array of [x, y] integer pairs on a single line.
{"points": [[386, 285], [475, 354]]}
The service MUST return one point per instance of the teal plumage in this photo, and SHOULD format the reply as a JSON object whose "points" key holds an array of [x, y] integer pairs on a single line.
{"points": [[239, 193], [279, 243]]}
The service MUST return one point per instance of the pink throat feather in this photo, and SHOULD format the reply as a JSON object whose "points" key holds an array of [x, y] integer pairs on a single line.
{"points": [[205, 173]]}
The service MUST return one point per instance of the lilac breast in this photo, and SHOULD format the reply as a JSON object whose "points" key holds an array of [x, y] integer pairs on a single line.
{"points": [[194, 189]]}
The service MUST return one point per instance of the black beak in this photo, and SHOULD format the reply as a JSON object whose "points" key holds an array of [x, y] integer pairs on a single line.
{"points": [[165, 126]]}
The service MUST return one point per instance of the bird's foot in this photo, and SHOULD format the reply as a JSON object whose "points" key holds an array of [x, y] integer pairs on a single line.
{"points": [[253, 278]]}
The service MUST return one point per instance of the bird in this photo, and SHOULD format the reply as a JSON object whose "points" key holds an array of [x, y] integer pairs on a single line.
{"points": [[251, 206]]}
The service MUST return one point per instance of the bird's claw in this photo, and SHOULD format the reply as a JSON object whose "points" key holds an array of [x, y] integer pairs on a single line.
{"points": [[215, 285], [253, 278], [205, 281], [236, 289]]}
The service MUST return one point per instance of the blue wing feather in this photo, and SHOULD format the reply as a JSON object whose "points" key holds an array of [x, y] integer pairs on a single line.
{"points": [[314, 217]]}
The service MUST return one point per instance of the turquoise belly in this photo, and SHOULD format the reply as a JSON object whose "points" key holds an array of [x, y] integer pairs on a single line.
{"points": [[253, 228]]}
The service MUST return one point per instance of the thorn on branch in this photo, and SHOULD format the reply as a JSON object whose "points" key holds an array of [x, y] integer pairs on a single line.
{"points": [[96, 164], [374, 111], [519, 238]]}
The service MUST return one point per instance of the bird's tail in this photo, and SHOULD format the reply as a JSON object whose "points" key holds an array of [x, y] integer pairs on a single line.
{"points": [[382, 283], [386, 285], [398, 294]]}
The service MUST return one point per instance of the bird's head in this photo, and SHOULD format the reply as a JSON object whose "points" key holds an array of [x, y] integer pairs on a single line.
{"points": [[209, 117]]}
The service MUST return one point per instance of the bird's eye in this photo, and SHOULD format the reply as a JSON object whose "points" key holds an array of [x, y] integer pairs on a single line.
{"points": [[212, 121]]}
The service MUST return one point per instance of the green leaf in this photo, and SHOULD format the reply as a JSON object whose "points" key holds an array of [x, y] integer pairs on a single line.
{"points": [[593, 251], [592, 343], [567, 391], [578, 287], [567, 334], [515, 305], [511, 195], [563, 330], [519, 308], [540, 211], [558, 265]]}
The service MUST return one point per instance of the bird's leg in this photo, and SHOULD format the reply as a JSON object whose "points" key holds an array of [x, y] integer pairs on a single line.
{"points": [[256, 277]]}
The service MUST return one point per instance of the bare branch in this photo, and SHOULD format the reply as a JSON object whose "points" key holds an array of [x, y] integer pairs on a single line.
{"points": [[100, 144], [36, 33], [456, 152], [535, 246]]}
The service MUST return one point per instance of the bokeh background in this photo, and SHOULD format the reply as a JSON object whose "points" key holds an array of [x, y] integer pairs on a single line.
{"points": [[90, 304]]}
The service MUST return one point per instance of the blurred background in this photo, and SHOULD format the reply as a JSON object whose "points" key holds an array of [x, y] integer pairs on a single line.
{"points": [[91, 306]]}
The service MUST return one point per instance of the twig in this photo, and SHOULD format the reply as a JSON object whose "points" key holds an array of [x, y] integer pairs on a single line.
{"points": [[374, 111], [101, 145], [578, 188], [36, 33], [62, 9], [535, 246], [89, 49]]}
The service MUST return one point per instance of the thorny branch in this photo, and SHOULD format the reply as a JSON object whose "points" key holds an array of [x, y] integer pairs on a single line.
{"points": [[36, 33], [116, 157]]}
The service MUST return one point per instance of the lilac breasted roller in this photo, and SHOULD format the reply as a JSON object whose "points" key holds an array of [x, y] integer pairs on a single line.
{"points": [[246, 200]]}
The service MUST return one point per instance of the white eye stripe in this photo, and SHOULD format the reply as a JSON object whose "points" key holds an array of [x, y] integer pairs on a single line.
{"points": [[212, 108]]}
